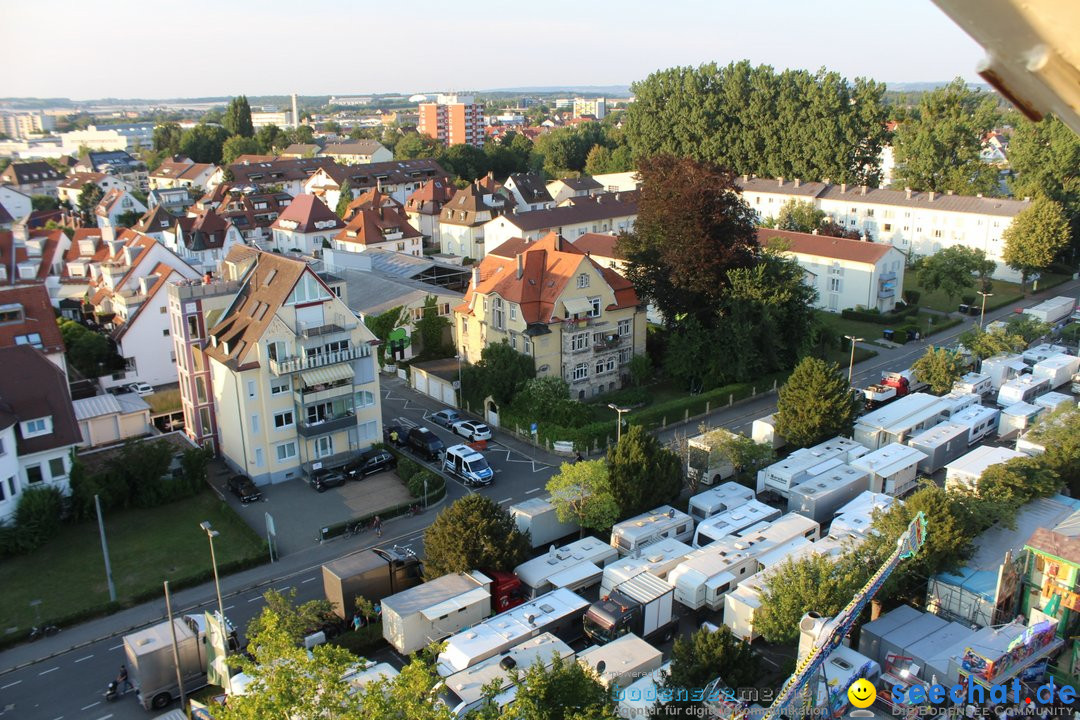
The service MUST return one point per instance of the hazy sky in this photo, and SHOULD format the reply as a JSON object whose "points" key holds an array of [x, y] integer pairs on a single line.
{"points": [[156, 48]]}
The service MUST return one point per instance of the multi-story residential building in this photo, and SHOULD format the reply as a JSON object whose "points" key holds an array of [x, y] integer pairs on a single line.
{"points": [[371, 199], [27, 125], [602, 213], [31, 256], [32, 178], [126, 291], [596, 107], [156, 222], [306, 225], [191, 304], [464, 218], [916, 223], [1051, 585], [453, 120], [37, 426], [27, 318], [185, 173], [529, 192], [424, 206], [577, 320], [398, 179], [380, 228], [118, 163], [288, 175], [116, 203], [251, 213], [174, 200], [109, 137], [358, 152], [845, 273], [293, 371], [566, 188], [202, 239], [70, 189]]}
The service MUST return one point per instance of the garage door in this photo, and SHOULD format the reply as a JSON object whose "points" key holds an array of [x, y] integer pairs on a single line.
{"points": [[448, 395], [420, 381]]}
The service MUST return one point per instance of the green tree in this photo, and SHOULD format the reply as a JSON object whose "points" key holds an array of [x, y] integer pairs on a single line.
{"points": [[564, 691], [89, 196], [465, 161], [500, 373], [939, 368], [383, 324], [1059, 433], [641, 369], [987, 343], [406, 697], [167, 138], [814, 582], [815, 404], [1027, 327], [1035, 237], [744, 455], [1016, 482], [203, 143], [239, 145], [295, 621], [473, 533], [344, 199], [692, 228], [433, 332], [643, 473], [415, 145], [547, 400], [1045, 159], [41, 203], [267, 137], [799, 216], [581, 493], [598, 161], [938, 147], [699, 658], [953, 269], [237, 118]]}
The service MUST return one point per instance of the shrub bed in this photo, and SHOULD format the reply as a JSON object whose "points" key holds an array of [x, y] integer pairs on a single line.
{"points": [[880, 318]]}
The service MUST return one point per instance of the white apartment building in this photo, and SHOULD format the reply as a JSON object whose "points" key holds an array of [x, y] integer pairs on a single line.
{"points": [[110, 137], [604, 213], [27, 125], [916, 223]]}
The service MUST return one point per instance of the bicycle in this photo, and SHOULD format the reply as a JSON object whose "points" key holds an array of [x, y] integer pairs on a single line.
{"points": [[36, 633], [415, 510], [354, 529]]}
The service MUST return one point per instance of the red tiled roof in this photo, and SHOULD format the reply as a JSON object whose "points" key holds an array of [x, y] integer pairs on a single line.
{"points": [[599, 245], [38, 315], [828, 247], [430, 197], [306, 210], [368, 226]]}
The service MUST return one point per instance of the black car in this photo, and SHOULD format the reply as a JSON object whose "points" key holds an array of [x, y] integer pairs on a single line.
{"points": [[323, 479], [426, 443], [369, 462], [243, 488]]}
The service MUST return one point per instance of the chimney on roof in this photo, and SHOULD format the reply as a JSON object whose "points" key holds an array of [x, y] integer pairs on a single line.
{"points": [[780, 181], [862, 189], [798, 182], [520, 266], [907, 191], [843, 188], [475, 276], [932, 194]]}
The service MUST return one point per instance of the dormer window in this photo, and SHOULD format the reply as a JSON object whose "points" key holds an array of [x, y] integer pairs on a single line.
{"points": [[37, 426]]}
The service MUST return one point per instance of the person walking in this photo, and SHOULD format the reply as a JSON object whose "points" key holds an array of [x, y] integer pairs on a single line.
{"points": [[377, 522], [578, 458], [123, 680]]}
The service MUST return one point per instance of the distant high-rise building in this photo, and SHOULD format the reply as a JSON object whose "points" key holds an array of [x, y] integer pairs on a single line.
{"points": [[24, 126], [295, 111], [453, 120], [597, 107]]}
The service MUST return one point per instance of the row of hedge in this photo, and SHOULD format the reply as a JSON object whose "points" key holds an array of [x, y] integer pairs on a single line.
{"points": [[880, 318]]}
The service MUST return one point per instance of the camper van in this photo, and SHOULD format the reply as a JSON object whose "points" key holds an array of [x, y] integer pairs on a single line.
{"points": [[1022, 389], [575, 566], [980, 421], [716, 500], [653, 526], [732, 521]]}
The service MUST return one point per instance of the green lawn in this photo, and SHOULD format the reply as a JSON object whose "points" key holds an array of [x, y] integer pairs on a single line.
{"points": [[164, 401], [1005, 293], [146, 547], [868, 331]]}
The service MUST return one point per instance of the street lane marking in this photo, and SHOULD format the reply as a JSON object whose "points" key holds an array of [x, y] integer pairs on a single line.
{"points": [[5, 687], [255, 599], [117, 647], [534, 490], [505, 501], [105, 717], [84, 658], [229, 607], [310, 579], [287, 588], [87, 707], [46, 672]]}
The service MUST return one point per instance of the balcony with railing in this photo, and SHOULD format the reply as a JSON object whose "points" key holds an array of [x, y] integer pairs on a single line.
{"points": [[322, 393], [327, 424], [311, 361]]}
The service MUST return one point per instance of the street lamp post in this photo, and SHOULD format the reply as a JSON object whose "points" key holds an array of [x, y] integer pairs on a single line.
{"points": [[211, 534], [851, 365], [618, 415], [982, 313], [461, 394]]}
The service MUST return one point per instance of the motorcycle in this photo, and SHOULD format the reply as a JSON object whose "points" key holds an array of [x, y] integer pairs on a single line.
{"points": [[112, 692], [36, 633]]}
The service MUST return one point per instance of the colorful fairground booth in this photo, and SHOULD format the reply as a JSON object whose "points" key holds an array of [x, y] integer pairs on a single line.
{"points": [[997, 656]]}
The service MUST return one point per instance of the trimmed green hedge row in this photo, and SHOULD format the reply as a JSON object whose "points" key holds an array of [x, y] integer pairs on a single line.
{"points": [[892, 318]]}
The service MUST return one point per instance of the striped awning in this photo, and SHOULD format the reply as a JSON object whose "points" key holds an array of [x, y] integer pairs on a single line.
{"points": [[326, 375]]}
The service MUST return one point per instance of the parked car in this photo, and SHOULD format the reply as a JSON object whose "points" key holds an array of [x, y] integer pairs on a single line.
{"points": [[244, 489], [472, 430], [446, 417], [369, 462], [324, 479], [141, 389], [426, 443], [388, 434]]}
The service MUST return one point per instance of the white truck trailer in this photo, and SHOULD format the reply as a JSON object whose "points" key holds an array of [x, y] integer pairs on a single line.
{"points": [[1052, 311], [537, 516], [713, 501], [941, 444], [899, 420], [648, 528], [427, 613], [558, 612], [893, 469], [1018, 418], [728, 523], [575, 566], [820, 497], [763, 431], [1003, 368]]}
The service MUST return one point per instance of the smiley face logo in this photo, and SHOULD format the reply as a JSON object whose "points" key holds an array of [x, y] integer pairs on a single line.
{"points": [[862, 693]]}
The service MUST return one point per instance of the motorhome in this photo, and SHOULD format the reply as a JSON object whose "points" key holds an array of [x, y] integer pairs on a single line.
{"points": [[467, 689], [718, 499], [575, 566], [1018, 418], [538, 517], [559, 612], [1037, 353], [743, 601], [1002, 369], [1022, 389], [659, 559], [896, 422], [893, 469], [653, 526], [620, 662], [1057, 369], [981, 422], [415, 618], [703, 578], [820, 497], [975, 383], [942, 444], [732, 521]]}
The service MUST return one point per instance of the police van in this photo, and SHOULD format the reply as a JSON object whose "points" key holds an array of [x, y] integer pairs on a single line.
{"points": [[467, 465]]}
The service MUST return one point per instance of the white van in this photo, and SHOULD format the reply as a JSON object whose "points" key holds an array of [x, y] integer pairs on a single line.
{"points": [[467, 465]]}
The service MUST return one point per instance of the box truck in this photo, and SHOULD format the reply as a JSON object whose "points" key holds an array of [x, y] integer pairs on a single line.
{"points": [[415, 618], [575, 566], [558, 612], [732, 521], [643, 605], [1057, 369], [763, 431], [653, 526], [152, 667], [372, 574], [659, 559], [537, 516], [716, 500], [1003, 368]]}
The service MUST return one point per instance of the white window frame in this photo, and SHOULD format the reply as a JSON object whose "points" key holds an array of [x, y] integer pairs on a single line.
{"points": [[580, 372], [626, 327], [583, 280], [579, 341], [279, 420], [279, 386], [281, 451], [595, 311], [35, 427]]}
